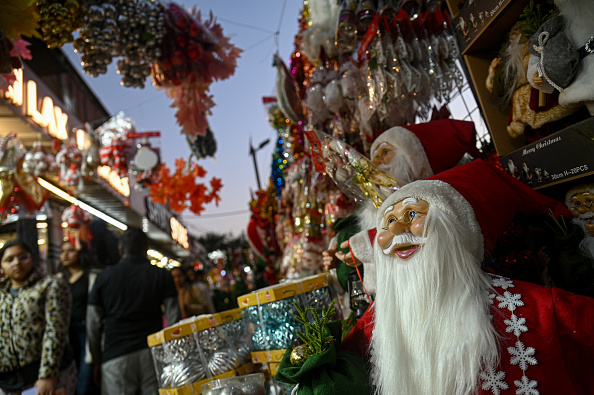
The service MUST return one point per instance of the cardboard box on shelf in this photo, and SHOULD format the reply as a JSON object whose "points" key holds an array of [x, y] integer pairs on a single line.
{"points": [[480, 43], [481, 24], [560, 157]]}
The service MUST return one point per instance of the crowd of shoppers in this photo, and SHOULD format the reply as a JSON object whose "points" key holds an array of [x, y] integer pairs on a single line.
{"points": [[83, 331]]}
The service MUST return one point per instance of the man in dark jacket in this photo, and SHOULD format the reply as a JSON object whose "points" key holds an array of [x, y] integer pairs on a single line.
{"points": [[124, 308]]}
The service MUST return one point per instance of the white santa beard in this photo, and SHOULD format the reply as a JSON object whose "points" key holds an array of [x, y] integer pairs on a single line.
{"points": [[432, 333], [587, 244], [401, 169]]}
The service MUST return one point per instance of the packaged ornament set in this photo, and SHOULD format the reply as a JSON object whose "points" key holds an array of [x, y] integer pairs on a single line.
{"points": [[200, 349], [271, 311]]}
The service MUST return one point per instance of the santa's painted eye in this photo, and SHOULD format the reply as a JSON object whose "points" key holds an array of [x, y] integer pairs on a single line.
{"points": [[409, 216], [390, 219]]}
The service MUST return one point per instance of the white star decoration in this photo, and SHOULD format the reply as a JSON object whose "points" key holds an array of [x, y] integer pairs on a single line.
{"points": [[510, 301], [522, 356], [493, 381], [516, 325], [526, 386]]}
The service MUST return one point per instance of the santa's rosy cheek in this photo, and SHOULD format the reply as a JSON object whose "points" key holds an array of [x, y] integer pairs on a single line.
{"points": [[384, 239], [418, 226]]}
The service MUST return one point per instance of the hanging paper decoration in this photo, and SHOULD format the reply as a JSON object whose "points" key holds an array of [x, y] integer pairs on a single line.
{"points": [[194, 54], [179, 191]]}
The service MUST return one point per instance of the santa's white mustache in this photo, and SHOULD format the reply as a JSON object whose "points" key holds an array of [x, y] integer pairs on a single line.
{"points": [[586, 216], [404, 238]]}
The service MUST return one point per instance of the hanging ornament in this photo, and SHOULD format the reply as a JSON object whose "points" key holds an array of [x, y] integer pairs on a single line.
{"points": [[58, 20], [145, 158], [113, 135], [202, 146], [38, 162], [131, 29], [75, 217]]}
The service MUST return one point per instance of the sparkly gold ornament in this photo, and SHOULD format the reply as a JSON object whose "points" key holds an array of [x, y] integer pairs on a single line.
{"points": [[299, 355]]}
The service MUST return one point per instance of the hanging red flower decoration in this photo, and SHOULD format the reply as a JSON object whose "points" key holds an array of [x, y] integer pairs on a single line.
{"points": [[181, 191], [195, 53]]}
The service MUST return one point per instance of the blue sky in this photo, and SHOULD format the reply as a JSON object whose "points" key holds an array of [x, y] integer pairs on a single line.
{"points": [[238, 114]]}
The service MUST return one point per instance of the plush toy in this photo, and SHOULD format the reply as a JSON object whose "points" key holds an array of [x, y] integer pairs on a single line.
{"points": [[561, 54], [507, 79]]}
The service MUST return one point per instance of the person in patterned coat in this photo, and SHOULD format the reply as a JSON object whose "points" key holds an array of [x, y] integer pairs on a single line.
{"points": [[441, 325], [34, 315]]}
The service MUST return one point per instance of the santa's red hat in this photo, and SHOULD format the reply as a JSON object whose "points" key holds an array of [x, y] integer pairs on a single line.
{"points": [[483, 197], [431, 147]]}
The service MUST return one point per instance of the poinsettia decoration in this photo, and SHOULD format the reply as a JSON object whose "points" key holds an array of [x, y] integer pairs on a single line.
{"points": [[180, 190]]}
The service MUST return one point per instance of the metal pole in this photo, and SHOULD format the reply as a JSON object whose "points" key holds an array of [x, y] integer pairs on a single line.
{"points": [[253, 153]]}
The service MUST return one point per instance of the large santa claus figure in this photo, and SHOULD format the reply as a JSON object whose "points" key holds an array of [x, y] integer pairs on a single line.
{"points": [[406, 153], [440, 325]]}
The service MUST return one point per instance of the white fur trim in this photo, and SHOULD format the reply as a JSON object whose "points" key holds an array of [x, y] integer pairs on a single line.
{"points": [[407, 145], [366, 216], [362, 247], [445, 197], [369, 278]]}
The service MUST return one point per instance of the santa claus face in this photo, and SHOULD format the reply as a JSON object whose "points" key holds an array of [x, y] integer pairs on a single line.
{"points": [[404, 227], [581, 204], [384, 154]]}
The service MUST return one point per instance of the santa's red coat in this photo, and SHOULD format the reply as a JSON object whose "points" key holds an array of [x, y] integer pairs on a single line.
{"points": [[547, 340]]}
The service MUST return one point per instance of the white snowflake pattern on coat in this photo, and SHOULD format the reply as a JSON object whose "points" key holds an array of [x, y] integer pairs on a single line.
{"points": [[520, 355], [509, 301], [516, 325], [526, 386], [493, 381]]}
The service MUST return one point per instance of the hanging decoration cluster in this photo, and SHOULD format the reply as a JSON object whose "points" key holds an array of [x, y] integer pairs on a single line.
{"points": [[180, 52], [180, 191]]}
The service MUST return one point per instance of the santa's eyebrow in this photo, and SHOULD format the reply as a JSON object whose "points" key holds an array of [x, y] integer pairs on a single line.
{"points": [[390, 208], [410, 200]]}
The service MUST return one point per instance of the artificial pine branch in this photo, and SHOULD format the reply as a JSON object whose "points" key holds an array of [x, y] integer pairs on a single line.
{"points": [[532, 18], [315, 337]]}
